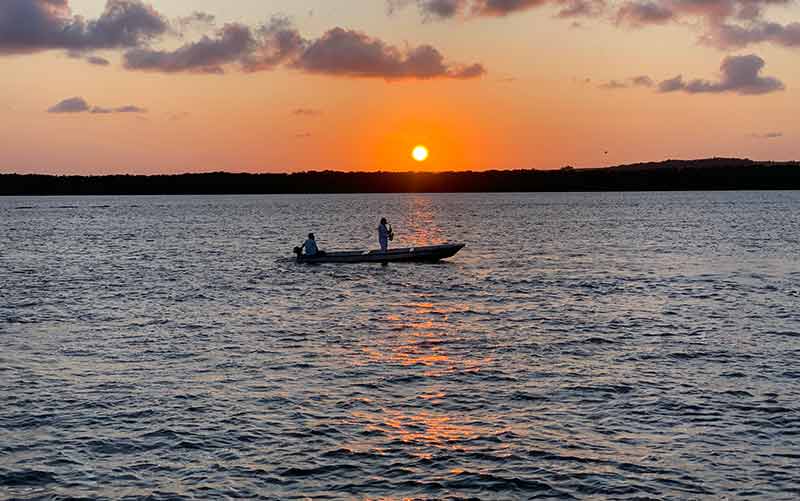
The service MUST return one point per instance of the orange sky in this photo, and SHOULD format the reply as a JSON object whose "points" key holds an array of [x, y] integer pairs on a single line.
{"points": [[541, 99]]}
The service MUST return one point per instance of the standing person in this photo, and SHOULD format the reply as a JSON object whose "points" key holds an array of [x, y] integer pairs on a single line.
{"points": [[385, 234]]}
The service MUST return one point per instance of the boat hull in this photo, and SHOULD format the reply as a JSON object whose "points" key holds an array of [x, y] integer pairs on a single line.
{"points": [[428, 254]]}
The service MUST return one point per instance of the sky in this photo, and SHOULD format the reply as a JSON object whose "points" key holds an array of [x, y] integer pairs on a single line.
{"points": [[167, 86]]}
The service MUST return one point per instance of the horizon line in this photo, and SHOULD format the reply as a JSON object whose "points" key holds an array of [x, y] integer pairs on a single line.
{"points": [[414, 172]]}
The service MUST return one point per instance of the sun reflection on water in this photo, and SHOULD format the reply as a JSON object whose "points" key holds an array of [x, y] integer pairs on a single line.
{"points": [[424, 428], [421, 348]]}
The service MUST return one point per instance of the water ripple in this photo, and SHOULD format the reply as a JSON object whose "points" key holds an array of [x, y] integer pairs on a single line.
{"points": [[600, 346]]}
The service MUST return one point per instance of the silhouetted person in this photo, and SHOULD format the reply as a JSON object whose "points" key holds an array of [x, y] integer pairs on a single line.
{"points": [[385, 234], [310, 246]]}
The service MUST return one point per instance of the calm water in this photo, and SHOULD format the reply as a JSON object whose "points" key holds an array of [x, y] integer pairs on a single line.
{"points": [[584, 346]]}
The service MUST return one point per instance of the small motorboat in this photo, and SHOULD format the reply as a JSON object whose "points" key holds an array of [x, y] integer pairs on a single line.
{"points": [[428, 254]]}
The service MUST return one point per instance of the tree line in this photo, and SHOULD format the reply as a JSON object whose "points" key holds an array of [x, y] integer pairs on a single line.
{"points": [[706, 174]]}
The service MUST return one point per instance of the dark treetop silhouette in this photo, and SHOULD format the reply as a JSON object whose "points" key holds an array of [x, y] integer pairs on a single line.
{"points": [[707, 174]]}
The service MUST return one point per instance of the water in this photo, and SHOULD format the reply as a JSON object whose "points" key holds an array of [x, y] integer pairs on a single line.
{"points": [[591, 346]]}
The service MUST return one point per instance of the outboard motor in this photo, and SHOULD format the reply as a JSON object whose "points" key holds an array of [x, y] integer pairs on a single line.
{"points": [[299, 252]]}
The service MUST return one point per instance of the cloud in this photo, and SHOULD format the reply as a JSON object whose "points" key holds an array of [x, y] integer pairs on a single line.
{"points": [[448, 9], [130, 109], [639, 14], [613, 84], [503, 7], [738, 74], [28, 26], [350, 53], [339, 52], [731, 36], [71, 105], [91, 59], [726, 24], [637, 81], [98, 61], [196, 19], [231, 44], [251, 49], [79, 105], [431, 9], [580, 8], [768, 135]]}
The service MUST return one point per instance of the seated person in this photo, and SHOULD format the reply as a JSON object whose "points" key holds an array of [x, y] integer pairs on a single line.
{"points": [[310, 246]]}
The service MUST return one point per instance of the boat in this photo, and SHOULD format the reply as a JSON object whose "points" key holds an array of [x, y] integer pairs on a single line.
{"points": [[427, 254]]}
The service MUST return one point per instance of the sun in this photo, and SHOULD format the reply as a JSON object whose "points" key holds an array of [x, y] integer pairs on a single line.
{"points": [[420, 153]]}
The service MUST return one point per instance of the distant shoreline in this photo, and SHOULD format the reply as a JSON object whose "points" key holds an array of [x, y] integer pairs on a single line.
{"points": [[671, 175]]}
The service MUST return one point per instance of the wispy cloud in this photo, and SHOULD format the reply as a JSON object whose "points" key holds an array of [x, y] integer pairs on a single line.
{"points": [[637, 81], [767, 135]]}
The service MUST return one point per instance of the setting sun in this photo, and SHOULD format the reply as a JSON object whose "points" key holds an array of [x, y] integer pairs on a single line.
{"points": [[420, 153]]}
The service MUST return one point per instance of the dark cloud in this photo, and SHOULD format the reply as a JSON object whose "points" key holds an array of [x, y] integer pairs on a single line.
{"points": [[98, 61], [446, 9], [739, 74], [441, 9], [71, 105], [732, 36], [351, 53], [642, 81], [768, 135], [91, 59], [432, 9], [130, 109], [79, 105], [252, 50], [726, 24], [672, 84], [638, 14], [208, 55], [338, 52], [580, 8], [36, 25], [503, 7]]}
